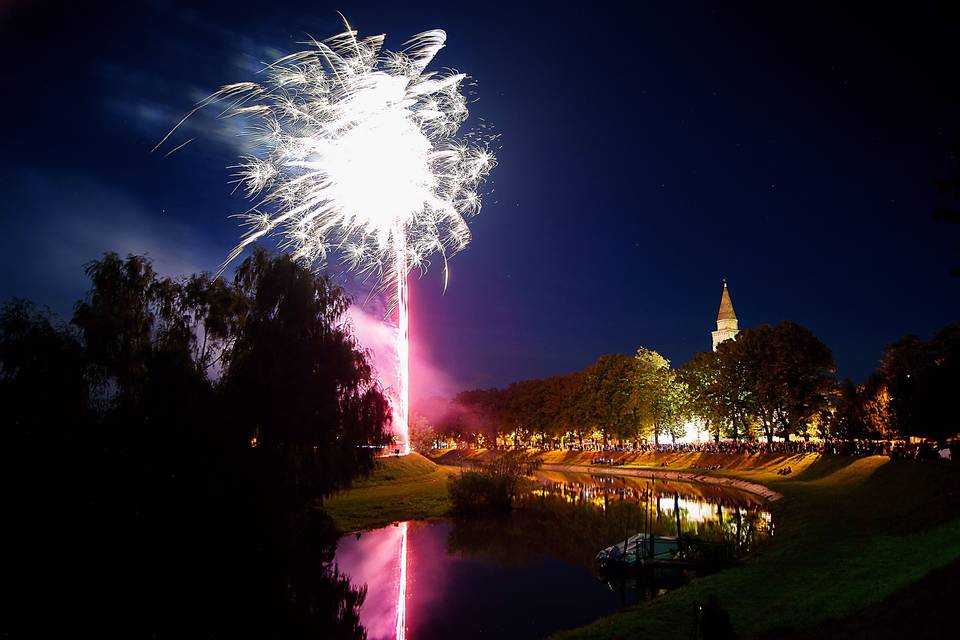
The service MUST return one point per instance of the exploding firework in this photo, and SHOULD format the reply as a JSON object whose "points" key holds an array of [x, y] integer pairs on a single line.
{"points": [[357, 161]]}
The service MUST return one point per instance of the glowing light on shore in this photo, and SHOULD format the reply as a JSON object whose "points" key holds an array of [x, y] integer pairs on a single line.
{"points": [[356, 159]]}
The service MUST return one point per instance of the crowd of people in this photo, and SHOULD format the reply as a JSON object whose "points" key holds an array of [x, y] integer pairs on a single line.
{"points": [[898, 449]]}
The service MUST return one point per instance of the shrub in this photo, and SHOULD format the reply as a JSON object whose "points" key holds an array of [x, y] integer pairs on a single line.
{"points": [[490, 487], [476, 493]]}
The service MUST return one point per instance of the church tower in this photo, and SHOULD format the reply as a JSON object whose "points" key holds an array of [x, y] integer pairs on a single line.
{"points": [[726, 319]]}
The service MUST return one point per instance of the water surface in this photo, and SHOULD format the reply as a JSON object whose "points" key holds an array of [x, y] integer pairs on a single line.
{"points": [[532, 573]]}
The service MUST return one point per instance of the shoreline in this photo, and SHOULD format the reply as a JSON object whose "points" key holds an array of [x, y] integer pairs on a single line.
{"points": [[876, 525], [754, 488]]}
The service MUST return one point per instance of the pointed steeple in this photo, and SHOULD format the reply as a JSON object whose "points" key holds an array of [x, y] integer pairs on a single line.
{"points": [[727, 325], [726, 305]]}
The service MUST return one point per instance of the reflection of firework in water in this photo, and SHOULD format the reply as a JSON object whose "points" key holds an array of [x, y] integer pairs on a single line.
{"points": [[356, 157], [402, 586]]}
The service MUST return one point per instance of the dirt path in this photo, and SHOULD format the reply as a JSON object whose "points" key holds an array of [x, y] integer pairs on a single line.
{"points": [[683, 476]]}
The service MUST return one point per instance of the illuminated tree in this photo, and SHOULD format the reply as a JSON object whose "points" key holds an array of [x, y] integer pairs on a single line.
{"points": [[705, 395], [422, 435], [662, 396], [788, 375]]}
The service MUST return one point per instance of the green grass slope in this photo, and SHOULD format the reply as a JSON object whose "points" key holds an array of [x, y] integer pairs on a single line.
{"points": [[855, 532], [406, 488]]}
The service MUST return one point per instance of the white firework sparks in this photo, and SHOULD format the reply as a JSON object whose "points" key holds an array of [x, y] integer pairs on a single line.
{"points": [[357, 157]]}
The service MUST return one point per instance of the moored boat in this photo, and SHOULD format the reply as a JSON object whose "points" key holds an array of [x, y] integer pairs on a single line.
{"points": [[639, 550]]}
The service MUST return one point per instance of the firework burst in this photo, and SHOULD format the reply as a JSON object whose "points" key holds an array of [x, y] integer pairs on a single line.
{"points": [[356, 154], [357, 161]]}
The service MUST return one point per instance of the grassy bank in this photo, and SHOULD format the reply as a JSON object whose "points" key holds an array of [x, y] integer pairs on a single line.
{"points": [[854, 538], [761, 467], [851, 533], [407, 488]]}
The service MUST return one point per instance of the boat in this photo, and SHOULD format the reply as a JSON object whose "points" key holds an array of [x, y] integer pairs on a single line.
{"points": [[638, 551]]}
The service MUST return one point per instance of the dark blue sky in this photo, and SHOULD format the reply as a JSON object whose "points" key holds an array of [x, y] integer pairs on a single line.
{"points": [[646, 153]]}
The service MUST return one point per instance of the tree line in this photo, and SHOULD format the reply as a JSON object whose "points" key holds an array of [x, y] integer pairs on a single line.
{"points": [[170, 446], [769, 382]]}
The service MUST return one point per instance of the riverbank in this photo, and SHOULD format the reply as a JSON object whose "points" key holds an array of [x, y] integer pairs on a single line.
{"points": [[852, 536], [408, 488], [755, 488], [757, 467]]}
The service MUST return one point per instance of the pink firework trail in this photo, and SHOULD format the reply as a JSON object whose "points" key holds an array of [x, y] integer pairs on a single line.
{"points": [[402, 419]]}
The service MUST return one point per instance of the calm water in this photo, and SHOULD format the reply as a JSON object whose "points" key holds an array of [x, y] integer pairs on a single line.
{"points": [[533, 573]]}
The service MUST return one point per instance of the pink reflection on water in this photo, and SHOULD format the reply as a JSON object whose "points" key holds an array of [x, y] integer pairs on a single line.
{"points": [[374, 559], [402, 588], [402, 566]]}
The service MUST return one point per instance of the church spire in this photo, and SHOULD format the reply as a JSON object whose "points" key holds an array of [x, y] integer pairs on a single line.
{"points": [[726, 305], [727, 324]]}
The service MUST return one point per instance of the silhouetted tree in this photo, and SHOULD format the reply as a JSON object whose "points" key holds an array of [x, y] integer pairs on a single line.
{"points": [[43, 391], [172, 450], [921, 378], [847, 421], [299, 391], [612, 396]]}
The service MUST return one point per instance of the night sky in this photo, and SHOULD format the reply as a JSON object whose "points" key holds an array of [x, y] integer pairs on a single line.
{"points": [[645, 154]]}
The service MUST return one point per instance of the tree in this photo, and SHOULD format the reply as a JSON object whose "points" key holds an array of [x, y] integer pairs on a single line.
{"points": [[39, 356], [476, 415], [222, 412], [575, 409], [554, 418], [737, 389], [662, 395], [47, 422], [876, 412], [611, 396], [788, 373], [214, 310], [298, 386], [118, 322], [920, 378], [155, 408], [847, 421], [705, 395], [422, 436]]}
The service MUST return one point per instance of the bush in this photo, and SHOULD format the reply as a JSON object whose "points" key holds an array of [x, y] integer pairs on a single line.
{"points": [[478, 493], [490, 487]]}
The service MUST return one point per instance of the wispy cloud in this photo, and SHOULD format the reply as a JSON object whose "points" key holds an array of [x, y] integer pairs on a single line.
{"points": [[153, 102], [59, 222], [153, 106]]}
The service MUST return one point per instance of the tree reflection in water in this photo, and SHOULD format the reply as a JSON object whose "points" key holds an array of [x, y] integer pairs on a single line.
{"points": [[573, 516], [532, 572], [289, 586], [320, 601]]}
